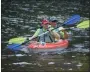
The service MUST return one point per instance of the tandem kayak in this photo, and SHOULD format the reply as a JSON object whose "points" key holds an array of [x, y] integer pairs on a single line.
{"points": [[61, 44], [15, 44]]}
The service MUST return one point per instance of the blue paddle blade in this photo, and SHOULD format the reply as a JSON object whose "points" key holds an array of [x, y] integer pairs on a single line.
{"points": [[72, 20], [14, 47]]}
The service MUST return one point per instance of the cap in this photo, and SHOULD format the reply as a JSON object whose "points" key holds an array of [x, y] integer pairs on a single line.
{"points": [[53, 19], [45, 21]]}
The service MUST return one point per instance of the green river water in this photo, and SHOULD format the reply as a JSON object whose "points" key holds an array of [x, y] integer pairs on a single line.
{"points": [[23, 17]]}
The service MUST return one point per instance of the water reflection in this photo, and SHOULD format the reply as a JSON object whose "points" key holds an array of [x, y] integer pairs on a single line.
{"points": [[63, 62]]}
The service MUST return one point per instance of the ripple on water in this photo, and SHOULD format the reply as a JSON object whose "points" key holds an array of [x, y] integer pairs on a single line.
{"points": [[80, 50], [22, 63], [17, 55], [67, 63], [79, 45], [70, 69], [79, 64], [50, 63]]}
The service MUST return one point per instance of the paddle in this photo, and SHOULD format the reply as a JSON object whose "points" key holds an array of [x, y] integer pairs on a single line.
{"points": [[81, 25], [18, 40], [84, 24], [71, 21]]}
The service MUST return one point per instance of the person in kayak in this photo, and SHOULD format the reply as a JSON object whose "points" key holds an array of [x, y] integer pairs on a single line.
{"points": [[51, 36], [62, 32]]}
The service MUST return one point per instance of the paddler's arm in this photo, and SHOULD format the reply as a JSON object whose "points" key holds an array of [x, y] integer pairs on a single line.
{"points": [[65, 35], [35, 34], [54, 33]]}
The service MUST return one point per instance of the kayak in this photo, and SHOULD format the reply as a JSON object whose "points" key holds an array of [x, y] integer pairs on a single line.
{"points": [[15, 45], [61, 44]]}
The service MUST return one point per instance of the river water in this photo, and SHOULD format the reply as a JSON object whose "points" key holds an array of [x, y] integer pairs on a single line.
{"points": [[23, 17]]}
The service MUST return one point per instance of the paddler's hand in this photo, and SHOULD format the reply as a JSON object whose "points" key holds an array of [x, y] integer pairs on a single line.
{"points": [[30, 38], [27, 38], [50, 28], [61, 29]]}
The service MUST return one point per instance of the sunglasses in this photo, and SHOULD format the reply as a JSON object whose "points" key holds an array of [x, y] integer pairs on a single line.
{"points": [[54, 21]]}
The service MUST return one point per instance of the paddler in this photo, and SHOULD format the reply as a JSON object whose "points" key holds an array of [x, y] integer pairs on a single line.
{"points": [[52, 36], [62, 32]]}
